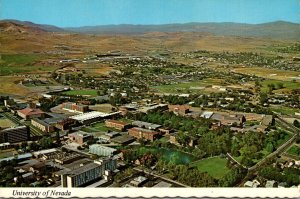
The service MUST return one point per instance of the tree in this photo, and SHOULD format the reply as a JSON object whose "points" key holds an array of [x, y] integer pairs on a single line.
{"points": [[296, 123], [270, 147], [46, 142]]}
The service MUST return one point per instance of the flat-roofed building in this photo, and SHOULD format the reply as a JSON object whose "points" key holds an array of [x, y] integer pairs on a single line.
{"points": [[141, 133], [94, 116], [14, 134], [80, 137], [88, 173], [146, 125], [102, 150], [42, 125], [116, 124], [73, 107]]}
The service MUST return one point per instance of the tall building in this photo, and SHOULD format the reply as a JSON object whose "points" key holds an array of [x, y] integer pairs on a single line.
{"points": [[88, 173], [15, 134]]}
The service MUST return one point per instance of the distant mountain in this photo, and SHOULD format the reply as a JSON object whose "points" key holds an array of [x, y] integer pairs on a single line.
{"points": [[274, 30], [15, 25]]}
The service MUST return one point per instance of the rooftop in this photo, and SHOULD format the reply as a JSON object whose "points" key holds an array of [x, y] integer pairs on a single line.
{"points": [[30, 111], [92, 115], [146, 125]]}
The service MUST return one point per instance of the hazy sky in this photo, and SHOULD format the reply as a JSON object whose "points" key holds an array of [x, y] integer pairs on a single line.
{"points": [[72, 13]]}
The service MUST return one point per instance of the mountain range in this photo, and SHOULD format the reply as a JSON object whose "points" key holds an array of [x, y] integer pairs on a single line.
{"points": [[273, 30]]}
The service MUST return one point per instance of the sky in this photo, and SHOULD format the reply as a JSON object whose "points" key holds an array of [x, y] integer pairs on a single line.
{"points": [[75, 13]]}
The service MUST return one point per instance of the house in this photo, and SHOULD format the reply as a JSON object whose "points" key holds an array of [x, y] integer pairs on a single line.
{"points": [[29, 113], [141, 133], [179, 109], [116, 124]]}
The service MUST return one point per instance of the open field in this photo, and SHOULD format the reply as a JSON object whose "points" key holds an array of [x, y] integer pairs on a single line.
{"points": [[190, 87], [216, 166], [6, 123], [9, 85], [284, 110], [287, 85], [11, 64], [81, 92], [268, 73]]}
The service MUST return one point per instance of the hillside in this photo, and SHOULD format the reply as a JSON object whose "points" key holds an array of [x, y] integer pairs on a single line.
{"points": [[274, 30]]}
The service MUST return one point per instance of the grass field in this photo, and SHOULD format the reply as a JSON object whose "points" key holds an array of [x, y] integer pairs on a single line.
{"points": [[284, 110], [6, 123], [188, 87], [268, 73], [216, 166], [287, 85], [81, 92], [294, 150]]}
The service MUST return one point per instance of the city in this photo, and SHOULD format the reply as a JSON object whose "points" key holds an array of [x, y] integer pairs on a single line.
{"points": [[81, 108]]}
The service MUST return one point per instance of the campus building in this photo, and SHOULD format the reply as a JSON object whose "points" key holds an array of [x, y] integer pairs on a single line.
{"points": [[42, 125], [116, 124], [102, 150], [90, 172], [29, 113], [141, 133], [73, 107], [15, 134]]}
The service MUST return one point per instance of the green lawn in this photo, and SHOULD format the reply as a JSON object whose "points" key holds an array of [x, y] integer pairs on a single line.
{"points": [[216, 166], [286, 85], [81, 92], [284, 110], [188, 86], [294, 150]]}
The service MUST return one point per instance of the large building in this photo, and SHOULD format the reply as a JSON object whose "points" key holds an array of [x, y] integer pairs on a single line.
{"points": [[102, 150], [29, 113], [146, 125], [90, 172], [73, 107], [42, 125], [141, 133], [94, 116], [15, 134], [116, 124], [80, 137]]}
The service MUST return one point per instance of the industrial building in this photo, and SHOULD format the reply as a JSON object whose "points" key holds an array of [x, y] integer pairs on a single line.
{"points": [[29, 113], [119, 125], [80, 137]]}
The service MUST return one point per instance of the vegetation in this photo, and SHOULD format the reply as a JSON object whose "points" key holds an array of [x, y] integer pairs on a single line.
{"points": [[215, 167]]}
